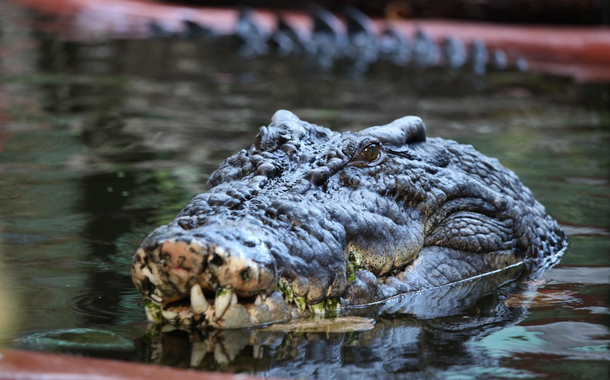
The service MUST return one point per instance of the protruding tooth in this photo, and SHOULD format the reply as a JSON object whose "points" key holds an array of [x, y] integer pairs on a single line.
{"points": [[222, 302], [333, 304], [234, 299], [169, 315], [198, 302], [357, 261], [351, 274], [301, 303], [318, 308], [286, 289], [263, 296], [258, 301]]}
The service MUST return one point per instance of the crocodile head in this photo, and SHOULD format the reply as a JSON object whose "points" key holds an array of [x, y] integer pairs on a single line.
{"points": [[312, 221]]}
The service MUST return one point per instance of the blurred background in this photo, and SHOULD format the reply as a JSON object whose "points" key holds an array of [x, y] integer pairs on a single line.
{"points": [[113, 114]]}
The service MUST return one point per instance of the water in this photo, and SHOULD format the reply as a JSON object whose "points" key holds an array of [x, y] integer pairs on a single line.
{"points": [[102, 141]]}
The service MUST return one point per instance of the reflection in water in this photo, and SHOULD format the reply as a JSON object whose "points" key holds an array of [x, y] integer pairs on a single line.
{"points": [[102, 141], [439, 333], [468, 334], [464, 329]]}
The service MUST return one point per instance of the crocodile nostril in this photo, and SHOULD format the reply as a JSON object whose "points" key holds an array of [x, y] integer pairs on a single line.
{"points": [[245, 274], [217, 260]]}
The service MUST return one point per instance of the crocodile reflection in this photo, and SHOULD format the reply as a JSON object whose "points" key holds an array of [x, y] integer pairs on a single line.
{"points": [[412, 333]]}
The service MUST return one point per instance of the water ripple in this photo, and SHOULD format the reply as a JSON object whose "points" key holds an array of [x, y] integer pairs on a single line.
{"points": [[109, 305], [79, 338]]}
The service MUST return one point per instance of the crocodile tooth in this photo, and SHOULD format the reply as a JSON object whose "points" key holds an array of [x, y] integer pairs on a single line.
{"points": [[333, 304], [198, 302], [351, 274], [263, 296], [301, 303], [258, 301], [169, 315], [234, 299], [288, 293], [153, 310], [222, 302], [318, 308]]}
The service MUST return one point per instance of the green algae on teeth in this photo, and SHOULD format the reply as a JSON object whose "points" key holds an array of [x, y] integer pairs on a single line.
{"points": [[286, 289], [356, 259], [301, 303], [318, 308], [333, 304], [351, 273], [153, 310]]}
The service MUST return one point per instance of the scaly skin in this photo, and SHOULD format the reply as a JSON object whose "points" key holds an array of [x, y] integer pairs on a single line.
{"points": [[311, 221]]}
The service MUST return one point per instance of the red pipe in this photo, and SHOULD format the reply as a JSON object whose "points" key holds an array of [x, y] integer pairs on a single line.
{"points": [[22, 365], [582, 53]]}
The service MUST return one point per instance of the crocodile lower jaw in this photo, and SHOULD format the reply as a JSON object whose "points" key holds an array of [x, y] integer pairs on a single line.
{"points": [[225, 311]]}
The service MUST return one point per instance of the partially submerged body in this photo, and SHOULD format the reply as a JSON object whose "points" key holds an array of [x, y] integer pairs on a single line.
{"points": [[313, 221]]}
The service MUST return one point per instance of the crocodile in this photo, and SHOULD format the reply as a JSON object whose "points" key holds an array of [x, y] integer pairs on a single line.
{"points": [[356, 40], [309, 221]]}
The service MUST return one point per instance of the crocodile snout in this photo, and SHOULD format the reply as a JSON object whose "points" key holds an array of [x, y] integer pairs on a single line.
{"points": [[168, 264], [225, 272]]}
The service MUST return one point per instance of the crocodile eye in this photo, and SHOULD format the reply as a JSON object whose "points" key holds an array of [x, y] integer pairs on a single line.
{"points": [[371, 152]]}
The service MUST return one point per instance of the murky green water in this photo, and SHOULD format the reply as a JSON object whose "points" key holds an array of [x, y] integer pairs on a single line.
{"points": [[100, 142]]}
